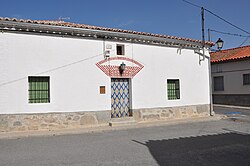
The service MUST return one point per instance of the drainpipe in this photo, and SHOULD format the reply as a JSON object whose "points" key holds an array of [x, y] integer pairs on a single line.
{"points": [[210, 82], [208, 59], [210, 87]]}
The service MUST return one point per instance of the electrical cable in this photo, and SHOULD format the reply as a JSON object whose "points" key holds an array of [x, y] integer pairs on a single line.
{"points": [[217, 16], [232, 34], [244, 42], [60, 67], [192, 4], [227, 33], [50, 70], [226, 21]]}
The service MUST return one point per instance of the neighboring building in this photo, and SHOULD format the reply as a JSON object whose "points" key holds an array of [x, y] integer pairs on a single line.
{"points": [[231, 76], [56, 74]]}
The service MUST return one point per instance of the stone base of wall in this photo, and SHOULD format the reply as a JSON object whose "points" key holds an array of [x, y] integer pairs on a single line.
{"points": [[56, 121], [171, 113], [232, 99], [52, 121]]}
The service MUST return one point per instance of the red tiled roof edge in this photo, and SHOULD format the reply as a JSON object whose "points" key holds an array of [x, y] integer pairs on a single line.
{"points": [[230, 54], [69, 24]]}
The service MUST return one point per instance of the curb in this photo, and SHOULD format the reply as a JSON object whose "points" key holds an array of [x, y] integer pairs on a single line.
{"points": [[106, 128], [231, 106]]}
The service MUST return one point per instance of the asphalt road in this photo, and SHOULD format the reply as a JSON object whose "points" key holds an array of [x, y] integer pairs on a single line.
{"points": [[230, 111], [234, 114], [221, 142]]}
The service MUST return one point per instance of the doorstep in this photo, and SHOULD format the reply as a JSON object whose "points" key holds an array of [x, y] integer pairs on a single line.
{"points": [[124, 121]]}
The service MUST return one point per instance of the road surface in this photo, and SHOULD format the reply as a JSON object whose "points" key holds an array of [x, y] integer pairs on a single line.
{"points": [[221, 142]]}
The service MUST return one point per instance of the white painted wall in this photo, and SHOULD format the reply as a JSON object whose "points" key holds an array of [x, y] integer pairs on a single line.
{"points": [[75, 87], [162, 63], [233, 76]]}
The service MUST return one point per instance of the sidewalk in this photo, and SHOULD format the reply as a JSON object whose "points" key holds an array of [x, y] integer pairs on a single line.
{"points": [[231, 106], [17, 135]]}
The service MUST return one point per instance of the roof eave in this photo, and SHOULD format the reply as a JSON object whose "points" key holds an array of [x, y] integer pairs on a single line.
{"points": [[64, 30]]}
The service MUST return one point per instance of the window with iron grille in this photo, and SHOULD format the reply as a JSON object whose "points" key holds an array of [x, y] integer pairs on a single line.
{"points": [[219, 83], [246, 79], [39, 90], [173, 86]]}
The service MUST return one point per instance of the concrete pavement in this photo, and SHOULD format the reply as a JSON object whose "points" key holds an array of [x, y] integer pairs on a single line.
{"points": [[220, 142], [234, 113], [13, 135], [230, 110]]}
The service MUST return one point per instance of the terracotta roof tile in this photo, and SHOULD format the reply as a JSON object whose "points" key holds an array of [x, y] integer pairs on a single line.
{"points": [[69, 24], [230, 54]]}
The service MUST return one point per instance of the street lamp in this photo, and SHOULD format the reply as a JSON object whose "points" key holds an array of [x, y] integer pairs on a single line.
{"points": [[219, 44]]}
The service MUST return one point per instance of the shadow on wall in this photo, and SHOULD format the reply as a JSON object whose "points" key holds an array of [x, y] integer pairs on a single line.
{"points": [[232, 99], [229, 149]]}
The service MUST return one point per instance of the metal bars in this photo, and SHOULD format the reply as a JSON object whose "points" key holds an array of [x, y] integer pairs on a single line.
{"points": [[173, 89], [219, 83], [120, 97], [39, 90], [246, 79]]}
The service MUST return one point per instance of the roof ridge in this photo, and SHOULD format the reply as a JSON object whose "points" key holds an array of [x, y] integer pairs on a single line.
{"points": [[235, 48], [231, 54], [77, 25]]}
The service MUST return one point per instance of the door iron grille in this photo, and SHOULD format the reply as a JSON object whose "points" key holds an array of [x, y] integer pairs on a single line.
{"points": [[119, 97]]}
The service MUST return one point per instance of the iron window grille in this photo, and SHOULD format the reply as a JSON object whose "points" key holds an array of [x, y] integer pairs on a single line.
{"points": [[246, 79], [219, 83], [39, 90], [173, 89]]}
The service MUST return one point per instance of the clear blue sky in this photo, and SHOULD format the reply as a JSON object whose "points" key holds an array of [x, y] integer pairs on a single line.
{"points": [[170, 17]]}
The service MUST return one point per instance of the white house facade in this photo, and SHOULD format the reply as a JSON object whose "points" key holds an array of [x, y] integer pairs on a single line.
{"points": [[57, 75]]}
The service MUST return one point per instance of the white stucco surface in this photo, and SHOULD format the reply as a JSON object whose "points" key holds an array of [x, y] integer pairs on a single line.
{"points": [[162, 63], [75, 79]]}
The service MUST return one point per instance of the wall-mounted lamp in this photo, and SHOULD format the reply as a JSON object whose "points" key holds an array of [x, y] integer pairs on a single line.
{"points": [[219, 44], [122, 67]]}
